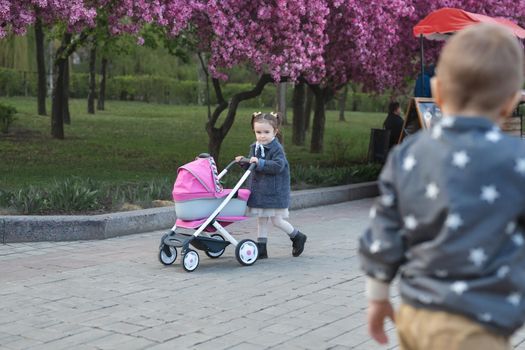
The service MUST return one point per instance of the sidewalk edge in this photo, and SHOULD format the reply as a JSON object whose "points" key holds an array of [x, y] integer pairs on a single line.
{"points": [[15, 229]]}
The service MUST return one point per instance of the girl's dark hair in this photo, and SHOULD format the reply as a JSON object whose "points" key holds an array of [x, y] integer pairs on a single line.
{"points": [[272, 118], [392, 107]]}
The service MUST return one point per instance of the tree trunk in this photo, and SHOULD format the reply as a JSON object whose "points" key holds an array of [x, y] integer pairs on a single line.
{"points": [[57, 114], [281, 102], [65, 105], [298, 130], [318, 122], [92, 78], [41, 67], [342, 103], [60, 93], [308, 108], [102, 89], [217, 134], [354, 98]]}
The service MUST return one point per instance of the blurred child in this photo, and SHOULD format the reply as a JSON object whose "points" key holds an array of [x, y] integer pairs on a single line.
{"points": [[451, 216]]}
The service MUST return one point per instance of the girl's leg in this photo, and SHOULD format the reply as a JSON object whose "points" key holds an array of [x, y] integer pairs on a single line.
{"points": [[262, 236], [298, 238], [262, 228], [284, 225]]}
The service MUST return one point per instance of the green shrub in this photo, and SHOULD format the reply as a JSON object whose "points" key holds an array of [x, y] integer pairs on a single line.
{"points": [[79, 85], [165, 89], [17, 83], [6, 198], [77, 195], [73, 195], [140, 193], [338, 150], [7, 118], [29, 200], [309, 176]]}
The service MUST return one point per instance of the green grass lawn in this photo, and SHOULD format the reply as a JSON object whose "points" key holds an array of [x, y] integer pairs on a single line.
{"points": [[134, 141]]}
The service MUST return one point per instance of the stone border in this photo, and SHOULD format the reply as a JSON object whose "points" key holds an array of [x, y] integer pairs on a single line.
{"points": [[19, 228]]}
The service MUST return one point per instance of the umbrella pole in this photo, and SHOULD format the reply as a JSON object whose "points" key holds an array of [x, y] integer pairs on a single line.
{"points": [[422, 62]]}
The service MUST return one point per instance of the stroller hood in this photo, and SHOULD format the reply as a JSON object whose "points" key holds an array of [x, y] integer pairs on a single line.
{"points": [[197, 179]]}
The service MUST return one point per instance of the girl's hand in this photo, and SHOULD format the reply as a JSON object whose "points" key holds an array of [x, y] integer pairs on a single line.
{"points": [[238, 158], [254, 160]]}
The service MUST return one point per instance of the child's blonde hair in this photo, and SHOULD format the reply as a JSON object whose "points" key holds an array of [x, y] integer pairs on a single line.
{"points": [[480, 68]]}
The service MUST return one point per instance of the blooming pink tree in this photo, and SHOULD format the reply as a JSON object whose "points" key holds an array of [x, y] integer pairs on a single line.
{"points": [[78, 19], [325, 43]]}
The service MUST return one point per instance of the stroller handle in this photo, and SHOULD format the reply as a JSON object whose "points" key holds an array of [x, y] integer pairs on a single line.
{"points": [[243, 160]]}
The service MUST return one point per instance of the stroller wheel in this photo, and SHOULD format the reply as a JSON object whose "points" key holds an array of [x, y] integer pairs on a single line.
{"points": [[215, 255], [246, 252], [190, 260], [167, 254]]}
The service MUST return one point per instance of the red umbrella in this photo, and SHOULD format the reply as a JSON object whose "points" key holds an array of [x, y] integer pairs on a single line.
{"points": [[443, 22], [440, 24]]}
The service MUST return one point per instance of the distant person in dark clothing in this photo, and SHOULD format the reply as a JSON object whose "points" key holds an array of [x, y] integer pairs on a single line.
{"points": [[394, 123], [422, 88]]}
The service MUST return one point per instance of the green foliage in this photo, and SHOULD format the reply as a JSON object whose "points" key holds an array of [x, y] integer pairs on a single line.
{"points": [[29, 200], [7, 117], [315, 176], [140, 193], [338, 150], [169, 90], [17, 83], [134, 142], [73, 195], [77, 195]]}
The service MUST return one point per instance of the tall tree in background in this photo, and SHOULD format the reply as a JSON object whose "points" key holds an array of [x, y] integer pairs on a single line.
{"points": [[41, 67], [102, 90], [280, 40], [76, 19], [341, 102], [299, 120], [327, 43], [92, 90]]}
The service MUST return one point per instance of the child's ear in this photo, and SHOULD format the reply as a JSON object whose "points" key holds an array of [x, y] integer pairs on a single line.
{"points": [[509, 105]]}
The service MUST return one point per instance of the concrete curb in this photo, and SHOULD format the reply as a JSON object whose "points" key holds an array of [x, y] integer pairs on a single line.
{"points": [[17, 228]]}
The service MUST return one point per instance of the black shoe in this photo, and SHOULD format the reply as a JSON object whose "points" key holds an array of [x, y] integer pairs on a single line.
{"points": [[298, 243], [261, 246]]}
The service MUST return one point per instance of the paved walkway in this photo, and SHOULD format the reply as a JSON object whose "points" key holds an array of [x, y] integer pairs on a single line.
{"points": [[114, 294]]}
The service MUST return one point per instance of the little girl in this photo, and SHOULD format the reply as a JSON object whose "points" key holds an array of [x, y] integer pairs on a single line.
{"points": [[269, 183]]}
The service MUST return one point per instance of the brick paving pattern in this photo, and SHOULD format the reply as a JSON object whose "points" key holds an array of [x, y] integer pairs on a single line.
{"points": [[114, 294]]}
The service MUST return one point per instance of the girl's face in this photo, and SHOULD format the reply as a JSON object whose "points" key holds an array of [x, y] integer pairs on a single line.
{"points": [[264, 132]]}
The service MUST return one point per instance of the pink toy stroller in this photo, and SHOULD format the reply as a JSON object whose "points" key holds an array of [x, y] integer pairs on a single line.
{"points": [[203, 205]]}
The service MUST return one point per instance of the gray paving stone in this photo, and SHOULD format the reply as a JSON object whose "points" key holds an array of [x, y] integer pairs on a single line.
{"points": [[114, 294]]}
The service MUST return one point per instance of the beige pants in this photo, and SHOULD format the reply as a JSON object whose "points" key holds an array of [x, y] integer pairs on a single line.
{"points": [[421, 329]]}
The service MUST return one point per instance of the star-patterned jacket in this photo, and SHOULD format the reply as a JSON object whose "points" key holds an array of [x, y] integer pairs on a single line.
{"points": [[450, 220]]}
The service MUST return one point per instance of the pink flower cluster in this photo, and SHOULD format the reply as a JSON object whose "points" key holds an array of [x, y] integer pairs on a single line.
{"points": [[327, 42]]}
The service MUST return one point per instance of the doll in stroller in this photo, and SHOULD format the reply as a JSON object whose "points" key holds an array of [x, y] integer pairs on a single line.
{"points": [[203, 205]]}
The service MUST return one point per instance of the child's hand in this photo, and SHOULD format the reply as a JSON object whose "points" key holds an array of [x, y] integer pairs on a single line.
{"points": [[378, 311], [238, 158], [254, 160]]}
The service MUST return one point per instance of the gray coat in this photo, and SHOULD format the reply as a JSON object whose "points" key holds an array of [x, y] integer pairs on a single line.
{"points": [[269, 183], [451, 219]]}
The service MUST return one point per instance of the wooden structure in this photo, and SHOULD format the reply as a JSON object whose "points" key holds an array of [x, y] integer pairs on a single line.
{"points": [[423, 113]]}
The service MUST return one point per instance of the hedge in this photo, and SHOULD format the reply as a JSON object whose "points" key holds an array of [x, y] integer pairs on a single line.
{"points": [[168, 90]]}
